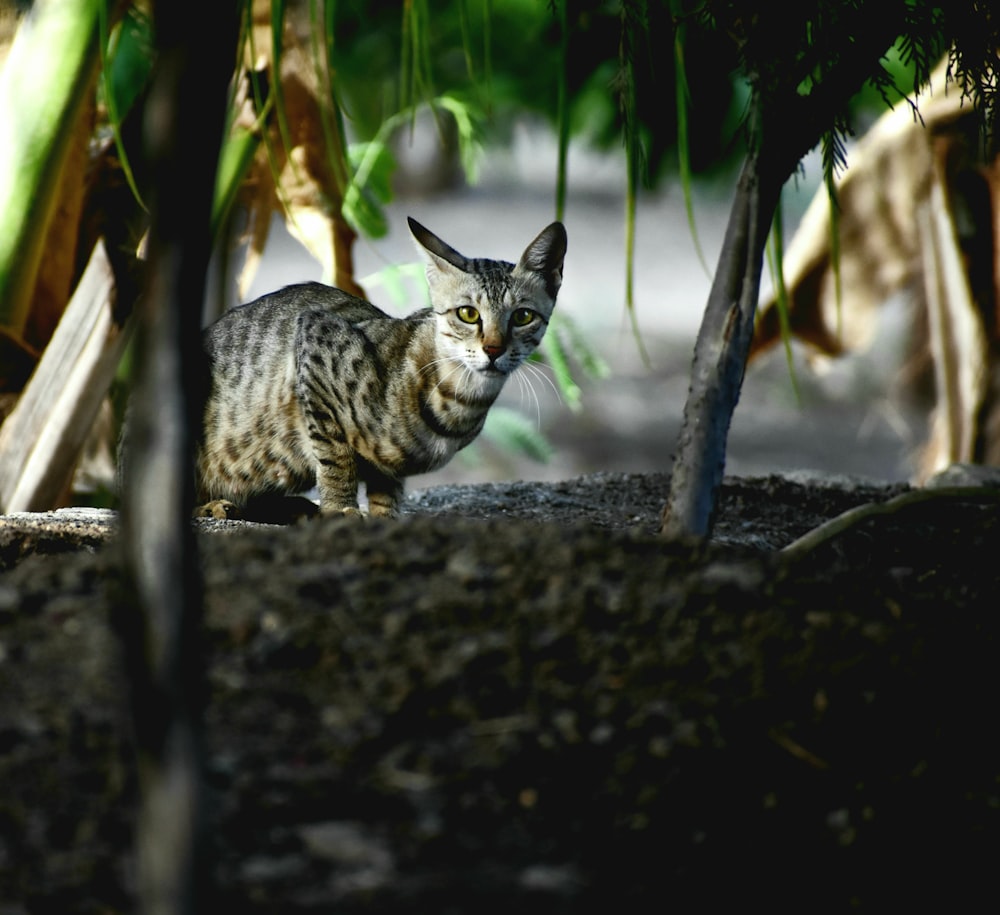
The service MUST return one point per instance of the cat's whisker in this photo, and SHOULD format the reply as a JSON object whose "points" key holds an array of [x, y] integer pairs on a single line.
{"points": [[459, 367], [539, 373], [433, 364], [525, 382]]}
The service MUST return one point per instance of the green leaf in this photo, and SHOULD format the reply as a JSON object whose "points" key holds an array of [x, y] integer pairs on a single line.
{"points": [[364, 215], [562, 110], [575, 341], [50, 71], [373, 165], [237, 154], [126, 62], [554, 351], [371, 186], [468, 118], [394, 279], [512, 430], [775, 263], [683, 95]]}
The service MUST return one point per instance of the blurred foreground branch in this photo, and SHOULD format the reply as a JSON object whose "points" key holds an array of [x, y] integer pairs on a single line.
{"points": [[160, 620]]}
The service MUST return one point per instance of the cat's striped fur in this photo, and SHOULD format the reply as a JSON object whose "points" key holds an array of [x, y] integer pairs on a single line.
{"points": [[312, 385]]}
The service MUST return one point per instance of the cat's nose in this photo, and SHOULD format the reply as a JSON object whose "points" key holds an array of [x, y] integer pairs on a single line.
{"points": [[493, 350]]}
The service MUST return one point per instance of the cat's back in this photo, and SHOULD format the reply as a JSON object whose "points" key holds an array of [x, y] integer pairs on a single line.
{"points": [[268, 323]]}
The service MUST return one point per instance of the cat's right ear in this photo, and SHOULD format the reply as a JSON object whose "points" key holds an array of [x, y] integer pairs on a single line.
{"points": [[545, 256], [433, 245]]}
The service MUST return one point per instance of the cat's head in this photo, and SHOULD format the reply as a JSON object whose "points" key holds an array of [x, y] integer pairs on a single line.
{"points": [[492, 314]]}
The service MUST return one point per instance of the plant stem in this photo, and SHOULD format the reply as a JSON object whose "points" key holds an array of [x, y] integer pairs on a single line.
{"points": [[44, 83]]}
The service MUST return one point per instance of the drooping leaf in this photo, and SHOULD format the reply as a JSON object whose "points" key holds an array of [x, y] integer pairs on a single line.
{"points": [[683, 98], [399, 281], [775, 262], [577, 343], [512, 430], [553, 349], [467, 118], [126, 62], [562, 108], [238, 151]]}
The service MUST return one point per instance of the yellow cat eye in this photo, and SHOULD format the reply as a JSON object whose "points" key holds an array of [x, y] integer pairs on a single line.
{"points": [[523, 317], [467, 313]]}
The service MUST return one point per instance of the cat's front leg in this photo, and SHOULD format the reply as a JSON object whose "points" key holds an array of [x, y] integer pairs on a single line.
{"points": [[384, 492], [336, 470], [336, 479]]}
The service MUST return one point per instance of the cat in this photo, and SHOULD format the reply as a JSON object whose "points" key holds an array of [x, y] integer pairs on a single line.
{"points": [[312, 386]]}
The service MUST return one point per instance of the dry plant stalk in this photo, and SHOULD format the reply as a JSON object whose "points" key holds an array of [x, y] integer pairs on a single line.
{"points": [[911, 217], [42, 438]]}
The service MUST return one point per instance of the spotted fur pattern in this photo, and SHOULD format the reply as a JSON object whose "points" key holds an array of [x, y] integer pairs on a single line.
{"points": [[310, 385]]}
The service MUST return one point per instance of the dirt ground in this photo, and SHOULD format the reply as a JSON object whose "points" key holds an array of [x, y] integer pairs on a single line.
{"points": [[518, 695]]}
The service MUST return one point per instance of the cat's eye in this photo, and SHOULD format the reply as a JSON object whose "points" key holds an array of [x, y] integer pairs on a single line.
{"points": [[467, 313], [522, 317]]}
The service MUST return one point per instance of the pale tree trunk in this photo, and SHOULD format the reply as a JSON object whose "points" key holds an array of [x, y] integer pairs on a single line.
{"points": [[720, 354], [786, 125]]}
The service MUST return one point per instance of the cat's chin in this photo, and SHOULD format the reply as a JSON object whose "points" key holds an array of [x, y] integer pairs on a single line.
{"points": [[488, 379], [491, 375]]}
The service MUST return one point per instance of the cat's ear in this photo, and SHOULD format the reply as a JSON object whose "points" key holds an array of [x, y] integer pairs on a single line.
{"points": [[433, 245], [545, 256]]}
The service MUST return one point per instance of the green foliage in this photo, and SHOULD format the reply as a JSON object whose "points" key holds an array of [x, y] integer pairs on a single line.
{"points": [[238, 150], [564, 345], [126, 62], [683, 97], [775, 257], [562, 110], [372, 166], [514, 431], [468, 118], [44, 85]]}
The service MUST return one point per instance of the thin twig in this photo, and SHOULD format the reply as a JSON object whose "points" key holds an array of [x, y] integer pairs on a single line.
{"points": [[854, 517]]}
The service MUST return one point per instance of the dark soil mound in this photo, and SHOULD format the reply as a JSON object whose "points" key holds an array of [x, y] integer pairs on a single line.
{"points": [[519, 696]]}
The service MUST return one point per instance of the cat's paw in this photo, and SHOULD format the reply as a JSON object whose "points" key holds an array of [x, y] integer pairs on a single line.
{"points": [[222, 509], [382, 511], [342, 511]]}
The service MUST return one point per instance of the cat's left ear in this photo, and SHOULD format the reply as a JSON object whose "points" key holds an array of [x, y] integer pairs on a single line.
{"points": [[440, 252], [545, 256]]}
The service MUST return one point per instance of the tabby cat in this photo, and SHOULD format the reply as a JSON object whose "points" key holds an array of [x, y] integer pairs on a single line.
{"points": [[312, 386]]}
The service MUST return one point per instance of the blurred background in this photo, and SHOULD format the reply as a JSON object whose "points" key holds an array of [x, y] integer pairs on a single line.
{"points": [[485, 175], [485, 120], [847, 417]]}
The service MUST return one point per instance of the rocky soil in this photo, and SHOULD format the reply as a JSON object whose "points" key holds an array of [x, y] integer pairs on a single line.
{"points": [[518, 695]]}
